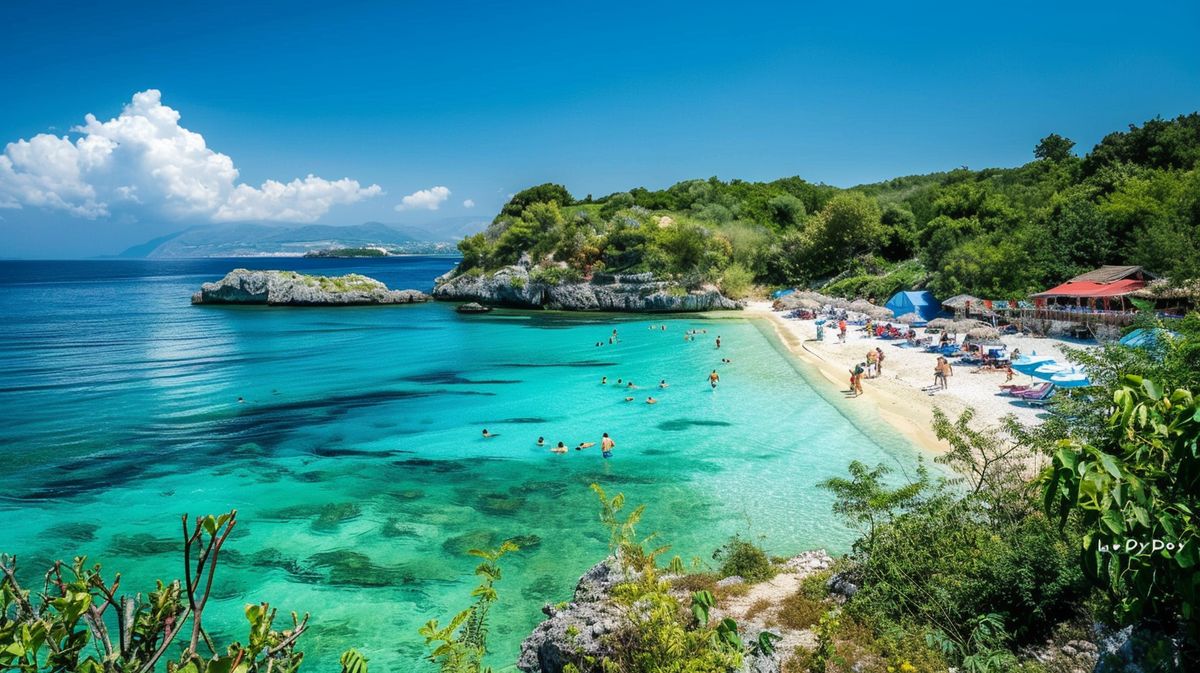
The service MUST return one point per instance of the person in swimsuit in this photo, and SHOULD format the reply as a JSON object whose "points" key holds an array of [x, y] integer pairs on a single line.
{"points": [[487, 434], [585, 445], [651, 400], [561, 448], [603, 380], [718, 341], [541, 441], [713, 379], [663, 383], [606, 446]]}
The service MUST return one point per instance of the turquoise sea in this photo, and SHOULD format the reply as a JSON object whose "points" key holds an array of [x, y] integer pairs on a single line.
{"points": [[356, 460]]}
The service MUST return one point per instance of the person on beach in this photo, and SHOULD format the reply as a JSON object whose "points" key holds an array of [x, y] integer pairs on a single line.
{"points": [[651, 400], [941, 371], [561, 448], [842, 330], [1016, 354], [870, 364], [878, 361], [1008, 370], [541, 441], [606, 446], [713, 379], [856, 375]]}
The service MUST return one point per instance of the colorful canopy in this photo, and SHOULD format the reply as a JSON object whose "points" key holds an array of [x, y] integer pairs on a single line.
{"points": [[1088, 289]]}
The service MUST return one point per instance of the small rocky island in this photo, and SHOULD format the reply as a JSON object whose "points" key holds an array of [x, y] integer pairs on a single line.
{"points": [[639, 293], [288, 288]]}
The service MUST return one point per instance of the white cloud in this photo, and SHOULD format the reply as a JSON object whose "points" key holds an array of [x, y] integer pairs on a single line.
{"points": [[469, 203], [143, 160], [424, 199]]}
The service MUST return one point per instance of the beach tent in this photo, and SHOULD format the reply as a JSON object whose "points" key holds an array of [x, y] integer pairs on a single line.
{"points": [[920, 302], [781, 293]]}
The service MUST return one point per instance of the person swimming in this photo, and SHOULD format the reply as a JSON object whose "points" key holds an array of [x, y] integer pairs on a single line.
{"points": [[561, 448], [651, 400], [628, 399], [603, 380], [585, 445], [541, 441], [713, 379], [630, 385], [663, 383], [718, 342], [487, 434], [618, 381]]}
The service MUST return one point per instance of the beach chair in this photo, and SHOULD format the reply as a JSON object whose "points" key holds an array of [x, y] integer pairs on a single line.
{"points": [[1040, 401], [1022, 391], [1037, 396]]}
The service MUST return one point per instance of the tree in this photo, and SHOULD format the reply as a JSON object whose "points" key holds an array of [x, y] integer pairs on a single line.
{"points": [[785, 210], [544, 193], [1134, 491], [1054, 148]]}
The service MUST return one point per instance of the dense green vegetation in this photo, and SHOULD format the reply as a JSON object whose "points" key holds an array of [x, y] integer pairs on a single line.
{"points": [[998, 233]]}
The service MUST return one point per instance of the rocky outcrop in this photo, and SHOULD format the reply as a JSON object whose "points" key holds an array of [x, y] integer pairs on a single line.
{"points": [[639, 293], [576, 630], [288, 288]]}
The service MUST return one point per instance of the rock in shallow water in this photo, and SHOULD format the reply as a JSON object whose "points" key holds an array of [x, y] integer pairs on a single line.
{"points": [[288, 288]]}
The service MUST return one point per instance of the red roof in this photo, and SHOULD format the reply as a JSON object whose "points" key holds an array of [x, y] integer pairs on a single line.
{"points": [[1089, 289]]}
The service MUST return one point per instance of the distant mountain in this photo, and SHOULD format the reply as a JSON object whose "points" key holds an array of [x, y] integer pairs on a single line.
{"points": [[248, 239]]}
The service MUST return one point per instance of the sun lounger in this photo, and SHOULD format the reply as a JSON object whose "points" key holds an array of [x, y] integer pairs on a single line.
{"points": [[1033, 395]]}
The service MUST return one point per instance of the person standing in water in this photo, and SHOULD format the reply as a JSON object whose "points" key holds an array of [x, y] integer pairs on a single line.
{"points": [[541, 441], [606, 446], [718, 341], [713, 379]]}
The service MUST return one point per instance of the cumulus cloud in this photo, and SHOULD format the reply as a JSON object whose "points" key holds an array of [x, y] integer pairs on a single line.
{"points": [[143, 160], [469, 203], [424, 199]]}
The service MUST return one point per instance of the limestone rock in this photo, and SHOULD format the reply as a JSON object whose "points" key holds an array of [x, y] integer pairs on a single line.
{"points": [[639, 293], [288, 288]]}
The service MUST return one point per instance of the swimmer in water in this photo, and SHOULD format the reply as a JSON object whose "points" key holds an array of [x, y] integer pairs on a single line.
{"points": [[631, 386], [603, 380], [561, 448], [241, 400], [618, 381], [663, 383], [651, 400], [718, 342], [606, 446], [628, 399], [713, 379], [585, 445], [487, 434], [541, 441]]}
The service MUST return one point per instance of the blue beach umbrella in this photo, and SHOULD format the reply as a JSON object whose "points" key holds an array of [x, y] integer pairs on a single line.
{"points": [[1048, 371], [1026, 364], [1075, 379]]}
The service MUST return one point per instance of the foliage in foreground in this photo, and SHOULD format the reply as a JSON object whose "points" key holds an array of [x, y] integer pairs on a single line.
{"points": [[1135, 492], [459, 647], [79, 622]]}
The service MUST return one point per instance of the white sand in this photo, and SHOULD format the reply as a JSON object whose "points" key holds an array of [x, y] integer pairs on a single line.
{"points": [[898, 392]]}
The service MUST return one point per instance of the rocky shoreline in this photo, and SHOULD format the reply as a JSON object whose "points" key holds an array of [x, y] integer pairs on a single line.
{"points": [[514, 286], [288, 288]]}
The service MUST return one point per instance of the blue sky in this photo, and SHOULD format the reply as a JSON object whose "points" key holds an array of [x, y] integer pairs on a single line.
{"points": [[484, 99]]}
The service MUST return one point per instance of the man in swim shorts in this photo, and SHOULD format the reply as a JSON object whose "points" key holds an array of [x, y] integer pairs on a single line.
{"points": [[606, 446]]}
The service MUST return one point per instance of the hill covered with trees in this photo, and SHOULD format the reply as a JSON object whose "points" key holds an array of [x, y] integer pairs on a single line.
{"points": [[998, 233]]}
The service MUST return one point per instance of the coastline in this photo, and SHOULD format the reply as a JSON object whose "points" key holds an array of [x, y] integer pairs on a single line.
{"points": [[889, 401]]}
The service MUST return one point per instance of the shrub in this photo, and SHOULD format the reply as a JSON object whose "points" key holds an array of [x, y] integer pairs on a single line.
{"points": [[736, 281], [744, 559]]}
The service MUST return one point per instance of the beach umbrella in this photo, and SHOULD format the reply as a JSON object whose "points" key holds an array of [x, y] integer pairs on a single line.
{"points": [[1048, 371], [815, 296], [878, 313], [862, 306], [908, 318], [983, 334], [967, 325], [1026, 364], [805, 303], [940, 323], [960, 301], [1075, 379]]}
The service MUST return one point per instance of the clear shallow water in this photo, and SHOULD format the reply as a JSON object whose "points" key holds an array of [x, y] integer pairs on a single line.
{"points": [[356, 462]]}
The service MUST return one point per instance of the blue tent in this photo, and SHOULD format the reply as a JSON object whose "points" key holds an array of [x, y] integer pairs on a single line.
{"points": [[921, 302]]}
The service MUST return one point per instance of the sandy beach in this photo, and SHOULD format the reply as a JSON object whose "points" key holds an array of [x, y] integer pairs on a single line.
{"points": [[898, 392]]}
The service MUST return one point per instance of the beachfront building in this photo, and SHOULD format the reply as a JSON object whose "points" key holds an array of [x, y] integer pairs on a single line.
{"points": [[1096, 298]]}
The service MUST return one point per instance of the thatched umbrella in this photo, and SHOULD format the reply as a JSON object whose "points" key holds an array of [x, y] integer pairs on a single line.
{"points": [[968, 325], [815, 296], [908, 318], [959, 301], [862, 306], [880, 313], [939, 323], [810, 304], [983, 334]]}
